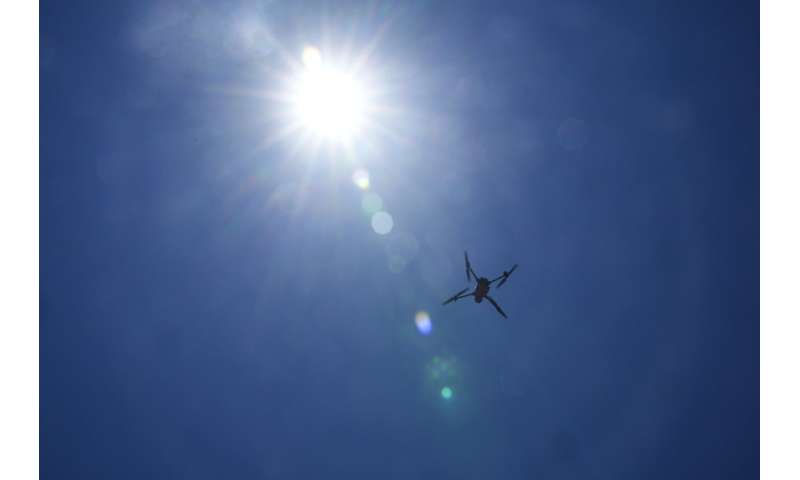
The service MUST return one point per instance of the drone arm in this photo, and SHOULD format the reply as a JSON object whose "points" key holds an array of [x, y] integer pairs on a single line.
{"points": [[469, 268], [457, 296], [496, 306], [504, 277]]}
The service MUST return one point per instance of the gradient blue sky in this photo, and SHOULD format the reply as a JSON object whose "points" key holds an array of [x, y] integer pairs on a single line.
{"points": [[214, 302]]}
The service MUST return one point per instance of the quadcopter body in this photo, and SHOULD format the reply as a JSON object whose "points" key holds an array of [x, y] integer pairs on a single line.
{"points": [[482, 286]]}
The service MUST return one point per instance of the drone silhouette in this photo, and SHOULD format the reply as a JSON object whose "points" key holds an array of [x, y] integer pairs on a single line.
{"points": [[482, 288]]}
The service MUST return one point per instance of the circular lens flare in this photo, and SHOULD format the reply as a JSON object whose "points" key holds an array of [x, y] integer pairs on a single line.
{"points": [[423, 321], [397, 264], [442, 374], [382, 223], [371, 202], [403, 245], [361, 178]]}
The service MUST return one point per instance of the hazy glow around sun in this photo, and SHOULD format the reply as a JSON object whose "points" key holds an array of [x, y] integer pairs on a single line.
{"points": [[328, 101]]}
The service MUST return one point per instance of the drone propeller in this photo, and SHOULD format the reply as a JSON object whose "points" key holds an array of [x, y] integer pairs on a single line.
{"points": [[506, 275], [466, 263], [455, 297]]}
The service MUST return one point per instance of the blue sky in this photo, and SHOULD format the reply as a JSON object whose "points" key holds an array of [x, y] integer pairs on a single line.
{"points": [[215, 302]]}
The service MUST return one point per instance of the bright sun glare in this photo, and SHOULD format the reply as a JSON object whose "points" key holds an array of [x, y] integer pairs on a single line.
{"points": [[329, 102]]}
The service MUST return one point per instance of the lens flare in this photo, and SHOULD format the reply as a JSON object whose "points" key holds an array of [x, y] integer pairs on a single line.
{"points": [[330, 103], [312, 58], [361, 178], [397, 264], [447, 393], [423, 321], [403, 245], [371, 203], [382, 223], [443, 376]]}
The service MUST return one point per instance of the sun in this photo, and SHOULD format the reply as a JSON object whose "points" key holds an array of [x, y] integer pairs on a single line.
{"points": [[328, 101]]}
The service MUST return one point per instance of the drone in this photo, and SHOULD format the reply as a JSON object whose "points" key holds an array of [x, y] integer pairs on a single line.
{"points": [[482, 288]]}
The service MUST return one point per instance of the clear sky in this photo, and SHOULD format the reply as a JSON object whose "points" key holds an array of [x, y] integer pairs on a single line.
{"points": [[238, 260]]}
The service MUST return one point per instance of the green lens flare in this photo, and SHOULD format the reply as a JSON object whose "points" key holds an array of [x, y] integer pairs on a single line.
{"points": [[447, 392], [371, 203]]}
